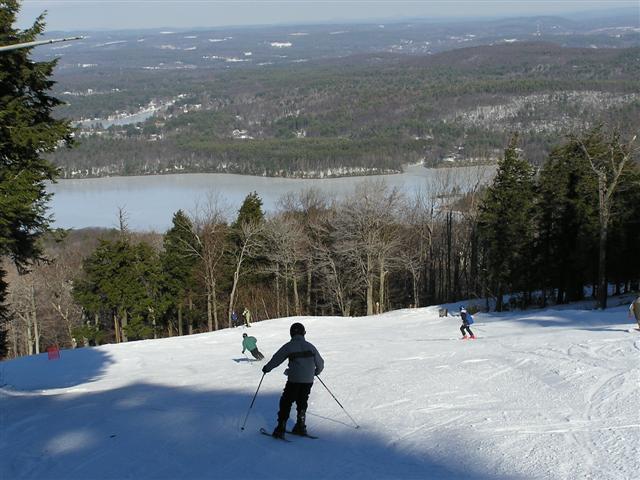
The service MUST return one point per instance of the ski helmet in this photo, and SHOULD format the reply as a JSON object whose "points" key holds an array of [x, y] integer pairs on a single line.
{"points": [[244, 334], [297, 329]]}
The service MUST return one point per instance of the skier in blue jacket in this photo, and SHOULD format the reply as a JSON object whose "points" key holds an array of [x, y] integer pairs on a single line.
{"points": [[304, 364], [467, 320]]}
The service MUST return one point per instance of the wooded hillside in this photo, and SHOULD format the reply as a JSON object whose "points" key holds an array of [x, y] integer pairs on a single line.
{"points": [[362, 114]]}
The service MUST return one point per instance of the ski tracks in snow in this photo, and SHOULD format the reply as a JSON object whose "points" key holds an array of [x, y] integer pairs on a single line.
{"points": [[584, 394]]}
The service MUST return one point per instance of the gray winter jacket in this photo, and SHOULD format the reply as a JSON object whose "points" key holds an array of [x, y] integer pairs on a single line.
{"points": [[304, 360]]}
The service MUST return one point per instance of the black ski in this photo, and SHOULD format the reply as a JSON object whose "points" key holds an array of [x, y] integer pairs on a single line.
{"points": [[264, 432], [305, 435]]}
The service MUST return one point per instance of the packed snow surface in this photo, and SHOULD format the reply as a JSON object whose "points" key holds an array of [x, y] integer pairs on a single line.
{"points": [[541, 394]]}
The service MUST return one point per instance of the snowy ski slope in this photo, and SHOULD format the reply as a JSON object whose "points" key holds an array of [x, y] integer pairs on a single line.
{"points": [[542, 394]]}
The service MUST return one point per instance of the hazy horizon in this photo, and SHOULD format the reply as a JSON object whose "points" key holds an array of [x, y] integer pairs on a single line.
{"points": [[87, 15]]}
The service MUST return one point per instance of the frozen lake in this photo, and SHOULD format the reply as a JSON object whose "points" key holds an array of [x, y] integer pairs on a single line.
{"points": [[151, 201]]}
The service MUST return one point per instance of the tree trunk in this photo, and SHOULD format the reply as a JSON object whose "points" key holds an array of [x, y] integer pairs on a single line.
{"points": [[278, 290], [369, 281], [116, 327], [153, 322], [473, 262], [125, 322], [190, 321], [296, 297], [180, 318], [602, 248], [209, 311], [234, 286], [381, 286], [34, 313], [456, 277], [286, 295], [96, 323], [309, 288], [29, 343], [14, 341], [447, 293], [36, 334], [214, 305], [499, 299]]}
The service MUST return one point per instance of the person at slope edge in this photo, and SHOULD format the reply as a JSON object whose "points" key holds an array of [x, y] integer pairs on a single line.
{"points": [[251, 344], [305, 363], [247, 317], [634, 309]]}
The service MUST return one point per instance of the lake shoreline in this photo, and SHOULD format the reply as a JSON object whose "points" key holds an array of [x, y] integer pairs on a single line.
{"points": [[308, 176], [151, 200]]}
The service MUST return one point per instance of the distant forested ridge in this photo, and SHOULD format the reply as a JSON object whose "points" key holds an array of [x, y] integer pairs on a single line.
{"points": [[362, 114]]}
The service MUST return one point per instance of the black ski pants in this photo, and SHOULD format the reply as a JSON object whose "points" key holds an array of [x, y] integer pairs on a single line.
{"points": [[294, 392], [256, 354], [465, 327]]}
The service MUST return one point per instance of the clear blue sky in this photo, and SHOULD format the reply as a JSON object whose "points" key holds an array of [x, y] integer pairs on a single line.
{"points": [[125, 14]]}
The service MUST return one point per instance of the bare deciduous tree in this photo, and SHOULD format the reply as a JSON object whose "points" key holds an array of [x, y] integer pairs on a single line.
{"points": [[210, 230], [57, 276], [366, 235], [308, 209], [250, 241], [22, 301], [336, 282], [607, 164]]}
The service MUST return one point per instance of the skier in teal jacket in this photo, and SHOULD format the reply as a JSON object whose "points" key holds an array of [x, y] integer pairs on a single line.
{"points": [[251, 344]]}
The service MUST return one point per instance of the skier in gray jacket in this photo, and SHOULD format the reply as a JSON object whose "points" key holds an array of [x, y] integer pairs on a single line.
{"points": [[304, 364]]}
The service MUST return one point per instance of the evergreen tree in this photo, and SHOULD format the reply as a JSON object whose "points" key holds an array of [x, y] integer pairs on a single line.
{"points": [[608, 159], [178, 261], [623, 262], [567, 223], [506, 225], [246, 239], [250, 211], [588, 215], [122, 280], [146, 305], [27, 131]]}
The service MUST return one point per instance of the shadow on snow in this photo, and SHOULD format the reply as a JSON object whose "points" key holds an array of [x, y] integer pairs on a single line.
{"points": [[152, 431], [74, 367]]}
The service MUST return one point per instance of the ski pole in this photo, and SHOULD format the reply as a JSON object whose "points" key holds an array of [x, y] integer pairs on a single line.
{"points": [[252, 401], [334, 397], [248, 359]]}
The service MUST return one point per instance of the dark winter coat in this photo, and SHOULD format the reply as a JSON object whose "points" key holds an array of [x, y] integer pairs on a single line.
{"points": [[304, 360]]}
